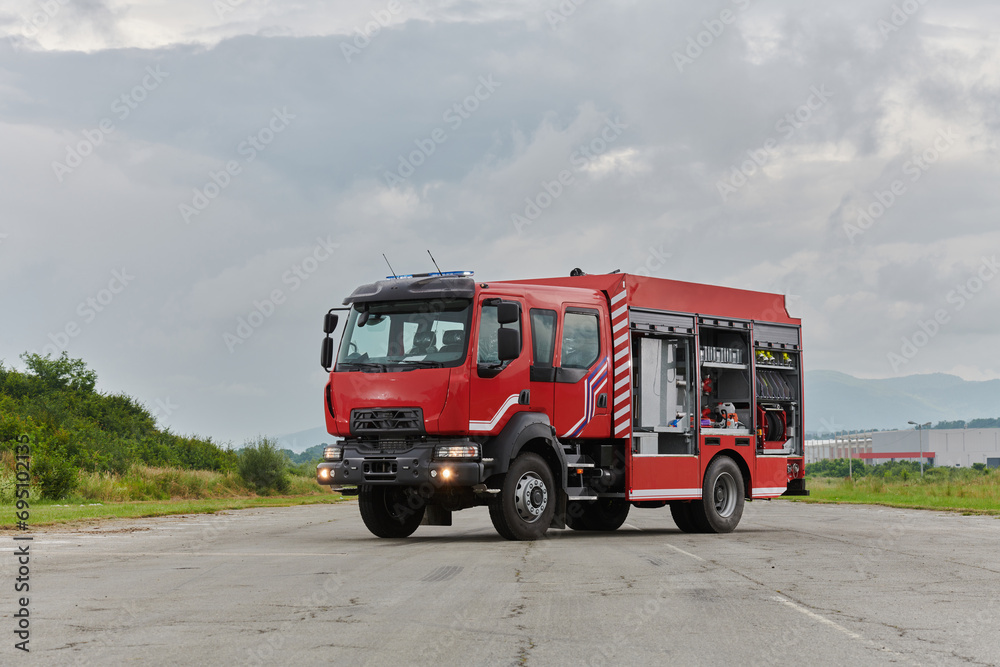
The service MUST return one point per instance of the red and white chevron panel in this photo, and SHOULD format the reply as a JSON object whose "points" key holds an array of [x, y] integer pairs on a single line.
{"points": [[621, 409]]}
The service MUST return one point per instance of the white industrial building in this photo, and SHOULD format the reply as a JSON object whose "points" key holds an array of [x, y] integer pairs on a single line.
{"points": [[941, 447]]}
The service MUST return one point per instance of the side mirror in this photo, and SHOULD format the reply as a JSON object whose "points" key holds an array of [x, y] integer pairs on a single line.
{"points": [[330, 323], [508, 313], [508, 344], [326, 353]]}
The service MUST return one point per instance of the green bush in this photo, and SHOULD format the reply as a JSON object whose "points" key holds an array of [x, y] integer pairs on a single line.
{"points": [[263, 466], [55, 476]]}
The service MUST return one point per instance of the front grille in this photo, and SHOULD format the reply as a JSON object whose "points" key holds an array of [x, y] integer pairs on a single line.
{"points": [[384, 446], [387, 420]]}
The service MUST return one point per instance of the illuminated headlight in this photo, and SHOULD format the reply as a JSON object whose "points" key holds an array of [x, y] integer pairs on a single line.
{"points": [[333, 453], [456, 452]]}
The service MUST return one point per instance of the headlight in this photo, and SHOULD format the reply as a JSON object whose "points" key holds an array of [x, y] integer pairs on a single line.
{"points": [[333, 453], [456, 452]]}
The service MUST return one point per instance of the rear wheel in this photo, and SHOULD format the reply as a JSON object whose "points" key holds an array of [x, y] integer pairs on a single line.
{"points": [[390, 511], [723, 493], [683, 516], [527, 500], [603, 514]]}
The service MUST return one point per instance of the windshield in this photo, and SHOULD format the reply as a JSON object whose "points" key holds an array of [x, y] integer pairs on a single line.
{"points": [[406, 334]]}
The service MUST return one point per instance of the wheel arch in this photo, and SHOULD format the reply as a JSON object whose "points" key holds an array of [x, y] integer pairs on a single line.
{"points": [[527, 432]]}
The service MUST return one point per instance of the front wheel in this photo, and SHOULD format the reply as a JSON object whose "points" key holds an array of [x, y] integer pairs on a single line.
{"points": [[527, 500], [723, 495], [390, 511]]}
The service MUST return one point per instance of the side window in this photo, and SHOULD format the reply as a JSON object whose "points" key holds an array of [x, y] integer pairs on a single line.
{"points": [[581, 340], [543, 336], [488, 327]]}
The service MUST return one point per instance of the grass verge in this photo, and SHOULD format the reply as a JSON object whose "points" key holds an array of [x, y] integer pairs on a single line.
{"points": [[970, 496], [147, 492], [44, 513]]}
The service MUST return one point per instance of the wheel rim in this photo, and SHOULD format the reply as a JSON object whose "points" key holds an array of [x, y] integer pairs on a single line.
{"points": [[530, 497], [725, 495]]}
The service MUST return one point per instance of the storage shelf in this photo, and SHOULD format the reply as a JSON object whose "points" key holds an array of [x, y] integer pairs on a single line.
{"points": [[719, 364], [777, 368]]}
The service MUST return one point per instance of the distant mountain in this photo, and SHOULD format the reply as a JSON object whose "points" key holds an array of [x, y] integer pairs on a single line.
{"points": [[836, 401], [303, 440]]}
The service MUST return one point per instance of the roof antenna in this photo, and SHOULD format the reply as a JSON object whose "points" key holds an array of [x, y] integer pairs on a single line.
{"points": [[435, 264], [389, 265]]}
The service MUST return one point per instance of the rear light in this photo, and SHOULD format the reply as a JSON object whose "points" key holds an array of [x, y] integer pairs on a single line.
{"points": [[456, 452], [333, 453]]}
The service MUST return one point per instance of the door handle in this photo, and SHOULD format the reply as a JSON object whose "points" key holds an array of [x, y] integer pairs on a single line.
{"points": [[602, 400], [524, 398]]}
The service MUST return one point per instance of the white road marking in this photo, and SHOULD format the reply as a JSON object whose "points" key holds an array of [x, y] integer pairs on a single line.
{"points": [[681, 551], [628, 525], [816, 617]]}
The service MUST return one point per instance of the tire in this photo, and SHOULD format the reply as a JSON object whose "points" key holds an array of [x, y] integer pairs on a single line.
{"points": [[527, 500], [683, 516], [576, 515], [723, 493], [388, 511], [603, 514]]}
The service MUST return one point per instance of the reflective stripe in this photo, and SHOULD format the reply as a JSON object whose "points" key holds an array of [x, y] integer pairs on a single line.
{"points": [[490, 425], [665, 493]]}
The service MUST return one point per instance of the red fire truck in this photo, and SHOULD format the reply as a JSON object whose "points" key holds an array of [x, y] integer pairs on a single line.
{"points": [[561, 402]]}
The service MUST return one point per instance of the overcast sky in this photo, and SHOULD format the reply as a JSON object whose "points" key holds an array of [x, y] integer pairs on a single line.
{"points": [[168, 169]]}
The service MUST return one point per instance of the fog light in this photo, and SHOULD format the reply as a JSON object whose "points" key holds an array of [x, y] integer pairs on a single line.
{"points": [[446, 474], [324, 473]]}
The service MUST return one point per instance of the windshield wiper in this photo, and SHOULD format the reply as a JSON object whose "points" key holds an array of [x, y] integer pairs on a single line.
{"points": [[422, 362], [361, 365]]}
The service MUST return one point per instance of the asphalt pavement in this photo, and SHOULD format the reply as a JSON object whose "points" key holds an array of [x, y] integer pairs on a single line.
{"points": [[796, 583]]}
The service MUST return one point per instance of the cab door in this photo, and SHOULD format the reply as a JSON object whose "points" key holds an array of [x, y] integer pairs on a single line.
{"points": [[582, 377], [498, 389]]}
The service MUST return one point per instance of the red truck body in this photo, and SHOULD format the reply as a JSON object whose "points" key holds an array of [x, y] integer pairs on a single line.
{"points": [[563, 402]]}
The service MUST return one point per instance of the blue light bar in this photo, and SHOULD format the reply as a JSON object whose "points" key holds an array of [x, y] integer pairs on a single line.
{"points": [[428, 275]]}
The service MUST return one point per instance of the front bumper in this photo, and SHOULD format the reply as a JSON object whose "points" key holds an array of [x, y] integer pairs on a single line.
{"points": [[412, 466]]}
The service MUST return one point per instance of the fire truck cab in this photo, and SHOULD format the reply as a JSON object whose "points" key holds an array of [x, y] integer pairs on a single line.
{"points": [[561, 402]]}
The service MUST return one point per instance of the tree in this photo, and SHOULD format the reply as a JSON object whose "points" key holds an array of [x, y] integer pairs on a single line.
{"points": [[61, 373]]}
